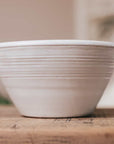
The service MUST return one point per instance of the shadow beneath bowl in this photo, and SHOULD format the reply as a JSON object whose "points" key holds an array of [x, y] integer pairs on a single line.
{"points": [[98, 113]]}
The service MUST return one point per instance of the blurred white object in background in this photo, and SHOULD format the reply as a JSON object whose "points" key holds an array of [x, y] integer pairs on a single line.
{"points": [[107, 99]]}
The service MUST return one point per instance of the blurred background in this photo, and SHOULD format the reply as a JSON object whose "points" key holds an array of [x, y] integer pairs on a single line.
{"points": [[58, 19]]}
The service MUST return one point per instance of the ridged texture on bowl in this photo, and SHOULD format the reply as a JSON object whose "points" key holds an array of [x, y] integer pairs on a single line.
{"points": [[56, 81]]}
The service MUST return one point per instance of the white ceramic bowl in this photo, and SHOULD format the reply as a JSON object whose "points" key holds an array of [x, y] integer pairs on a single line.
{"points": [[56, 78]]}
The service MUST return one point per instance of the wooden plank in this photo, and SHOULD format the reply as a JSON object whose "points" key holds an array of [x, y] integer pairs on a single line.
{"points": [[95, 129]]}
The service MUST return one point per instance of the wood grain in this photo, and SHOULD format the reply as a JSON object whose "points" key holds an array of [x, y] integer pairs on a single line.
{"points": [[95, 129]]}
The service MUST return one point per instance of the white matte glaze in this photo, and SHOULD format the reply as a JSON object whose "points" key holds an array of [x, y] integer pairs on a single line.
{"points": [[56, 78], [55, 42]]}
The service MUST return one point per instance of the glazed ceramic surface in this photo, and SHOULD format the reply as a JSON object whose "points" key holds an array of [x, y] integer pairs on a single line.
{"points": [[56, 78]]}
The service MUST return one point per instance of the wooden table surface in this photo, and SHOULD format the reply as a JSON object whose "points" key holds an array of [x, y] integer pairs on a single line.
{"points": [[95, 129]]}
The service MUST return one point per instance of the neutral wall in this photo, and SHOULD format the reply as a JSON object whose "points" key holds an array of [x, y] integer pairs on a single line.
{"points": [[36, 19]]}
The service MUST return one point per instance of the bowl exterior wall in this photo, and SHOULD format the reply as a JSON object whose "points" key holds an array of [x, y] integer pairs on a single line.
{"points": [[56, 81]]}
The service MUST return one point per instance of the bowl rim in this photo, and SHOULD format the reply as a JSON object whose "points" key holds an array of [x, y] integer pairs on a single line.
{"points": [[55, 43]]}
